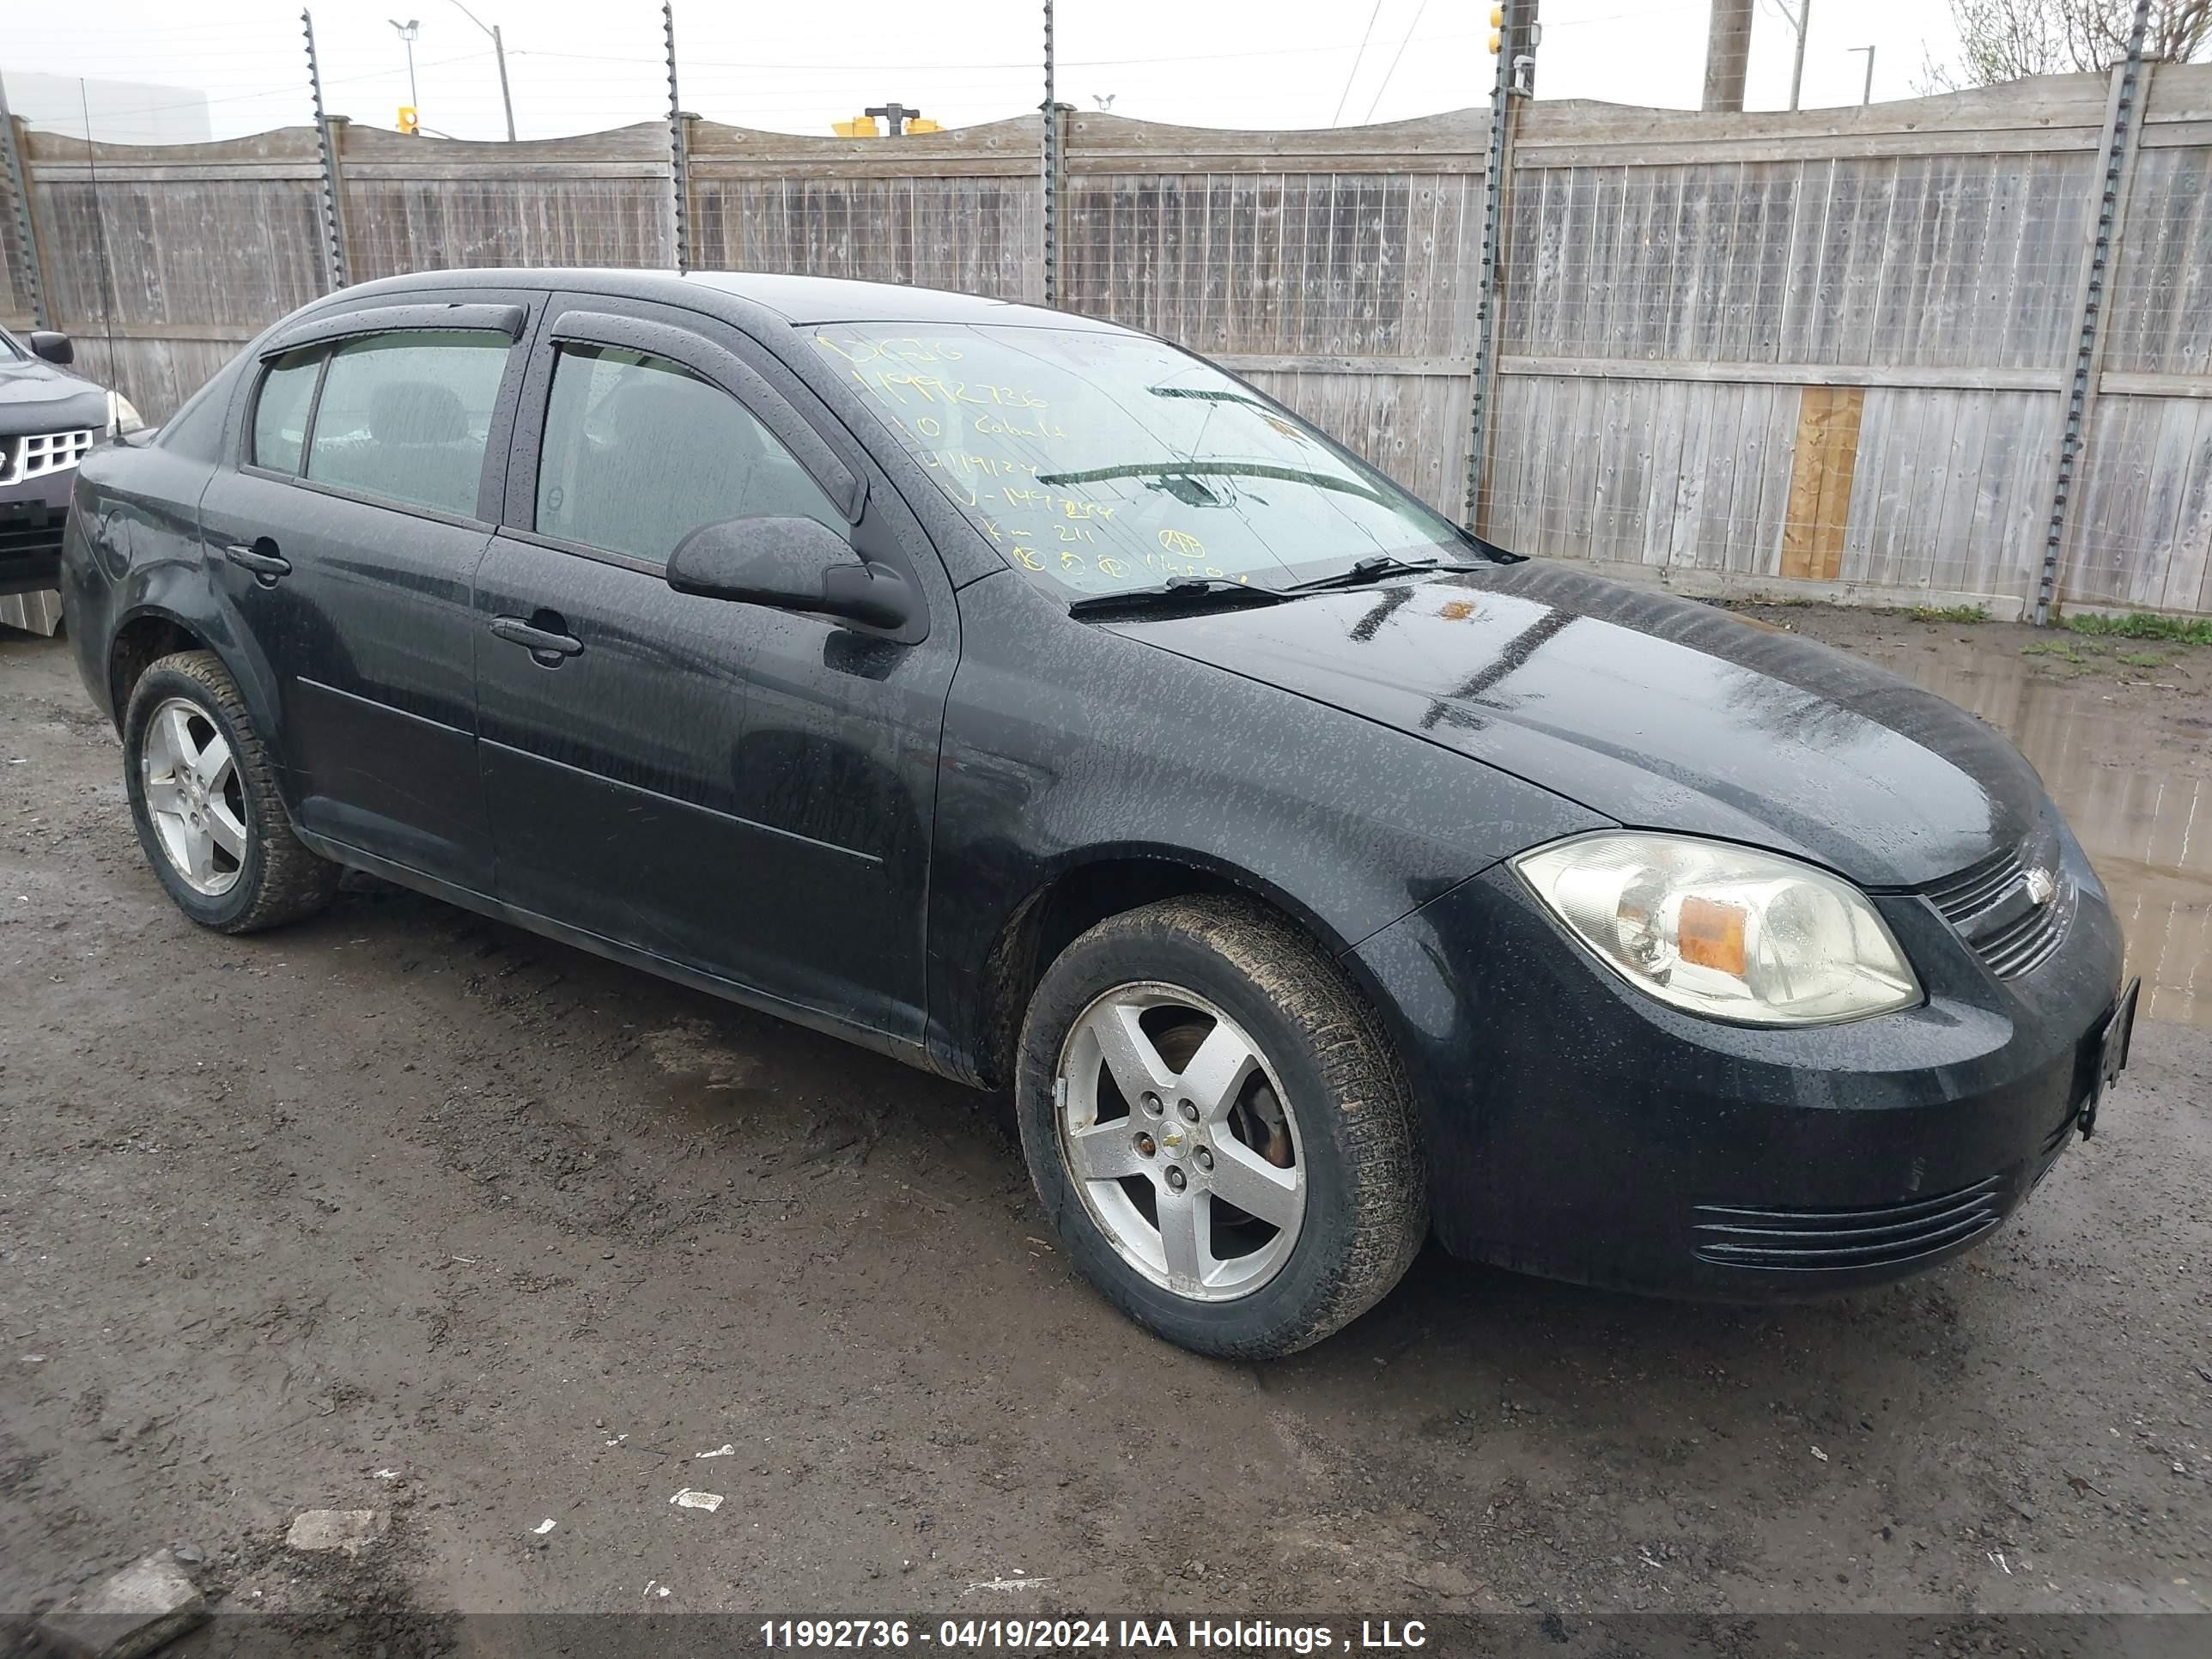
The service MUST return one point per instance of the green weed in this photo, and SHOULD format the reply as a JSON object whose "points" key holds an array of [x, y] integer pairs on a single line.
{"points": [[2142, 625], [1949, 613]]}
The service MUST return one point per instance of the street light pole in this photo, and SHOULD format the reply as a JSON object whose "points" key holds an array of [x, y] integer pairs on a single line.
{"points": [[499, 51], [407, 30], [1804, 22], [1867, 97]]}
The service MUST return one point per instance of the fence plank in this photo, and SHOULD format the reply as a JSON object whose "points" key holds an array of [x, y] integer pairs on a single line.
{"points": [[1823, 345]]}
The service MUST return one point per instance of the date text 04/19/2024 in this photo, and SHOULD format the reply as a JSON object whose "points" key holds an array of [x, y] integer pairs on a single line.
{"points": [[1116, 1635]]}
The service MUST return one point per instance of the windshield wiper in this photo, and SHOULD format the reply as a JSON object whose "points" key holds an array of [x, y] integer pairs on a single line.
{"points": [[1220, 470], [1176, 591], [1367, 569]]}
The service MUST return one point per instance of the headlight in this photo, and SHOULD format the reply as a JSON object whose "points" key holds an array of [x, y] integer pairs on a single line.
{"points": [[122, 416], [1725, 931]]}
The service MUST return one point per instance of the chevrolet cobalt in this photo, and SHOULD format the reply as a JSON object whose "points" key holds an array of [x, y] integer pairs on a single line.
{"points": [[1023, 697]]}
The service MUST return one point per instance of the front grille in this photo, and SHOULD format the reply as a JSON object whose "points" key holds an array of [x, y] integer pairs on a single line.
{"points": [[34, 454], [1990, 904], [1974, 888], [31, 532], [2024, 944], [1834, 1240]]}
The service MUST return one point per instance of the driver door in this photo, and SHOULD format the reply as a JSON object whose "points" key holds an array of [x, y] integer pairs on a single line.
{"points": [[654, 764]]}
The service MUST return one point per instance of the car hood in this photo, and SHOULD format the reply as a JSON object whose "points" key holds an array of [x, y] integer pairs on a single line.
{"points": [[36, 395], [1658, 712]]}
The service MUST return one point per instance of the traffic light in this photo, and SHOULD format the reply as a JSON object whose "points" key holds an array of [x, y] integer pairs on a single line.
{"points": [[408, 123], [918, 124], [1497, 30], [860, 126]]}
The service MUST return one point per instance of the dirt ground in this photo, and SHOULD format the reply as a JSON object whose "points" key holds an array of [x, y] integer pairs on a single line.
{"points": [[405, 1211]]}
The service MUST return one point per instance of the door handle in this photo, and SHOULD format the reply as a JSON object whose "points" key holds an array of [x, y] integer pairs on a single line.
{"points": [[262, 558], [540, 642]]}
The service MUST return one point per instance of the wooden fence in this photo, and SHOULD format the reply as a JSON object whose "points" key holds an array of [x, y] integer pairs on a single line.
{"points": [[1824, 352]]}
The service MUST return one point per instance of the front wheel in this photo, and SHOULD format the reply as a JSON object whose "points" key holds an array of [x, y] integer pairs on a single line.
{"points": [[1218, 1128]]}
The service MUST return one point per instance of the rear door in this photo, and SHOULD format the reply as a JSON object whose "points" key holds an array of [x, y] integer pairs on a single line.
{"points": [[372, 462], [740, 791]]}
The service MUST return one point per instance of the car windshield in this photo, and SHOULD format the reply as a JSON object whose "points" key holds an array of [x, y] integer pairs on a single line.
{"points": [[1102, 462], [11, 347]]}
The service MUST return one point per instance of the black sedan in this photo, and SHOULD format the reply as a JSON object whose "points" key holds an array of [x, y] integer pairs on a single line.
{"points": [[1026, 698], [50, 419]]}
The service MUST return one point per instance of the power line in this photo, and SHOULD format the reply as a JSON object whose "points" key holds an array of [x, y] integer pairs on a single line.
{"points": [[1356, 57], [765, 67], [1375, 102], [287, 90]]}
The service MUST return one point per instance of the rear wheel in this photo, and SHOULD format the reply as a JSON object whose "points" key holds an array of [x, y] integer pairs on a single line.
{"points": [[204, 796], [1218, 1128]]}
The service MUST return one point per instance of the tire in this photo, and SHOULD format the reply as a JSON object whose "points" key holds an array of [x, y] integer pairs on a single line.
{"points": [[269, 877], [1204, 979]]}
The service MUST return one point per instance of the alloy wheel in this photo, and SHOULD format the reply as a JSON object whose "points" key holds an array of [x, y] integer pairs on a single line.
{"points": [[1178, 1136], [194, 796]]}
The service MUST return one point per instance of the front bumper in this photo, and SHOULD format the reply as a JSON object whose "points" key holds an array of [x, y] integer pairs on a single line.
{"points": [[31, 516], [1577, 1128]]}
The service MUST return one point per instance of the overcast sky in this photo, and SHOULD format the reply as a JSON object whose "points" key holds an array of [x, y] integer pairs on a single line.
{"points": [[577, 65]]}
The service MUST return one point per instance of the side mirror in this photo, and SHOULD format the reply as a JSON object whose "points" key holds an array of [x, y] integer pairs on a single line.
{"points": [[53, 345], [789, 564]]}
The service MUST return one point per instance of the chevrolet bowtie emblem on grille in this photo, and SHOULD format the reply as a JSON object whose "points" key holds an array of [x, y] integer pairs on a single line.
{"points": [[2042, 886]]}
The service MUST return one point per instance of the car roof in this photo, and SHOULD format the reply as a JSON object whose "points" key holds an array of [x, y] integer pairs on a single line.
{"points": [[804, 300], [798, 301]]}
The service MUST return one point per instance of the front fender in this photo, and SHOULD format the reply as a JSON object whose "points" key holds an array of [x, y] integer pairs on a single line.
{"points": [[1065, 745]]}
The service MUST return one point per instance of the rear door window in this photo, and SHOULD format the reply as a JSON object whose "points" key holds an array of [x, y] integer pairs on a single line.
{"points": [[639, 452], [405, 416], [280, 410]]}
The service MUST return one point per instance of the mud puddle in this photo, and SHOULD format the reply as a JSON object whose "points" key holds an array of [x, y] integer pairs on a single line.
{"points": [[2118, 731]]}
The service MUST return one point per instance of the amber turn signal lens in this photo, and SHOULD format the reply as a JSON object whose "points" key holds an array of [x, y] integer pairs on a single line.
{"points": [[1710, 934]]}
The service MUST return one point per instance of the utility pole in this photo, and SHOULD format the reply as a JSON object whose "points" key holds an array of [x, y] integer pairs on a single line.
{"points": [[499, 51], [1867, 96], [1802, 20], [1727, 55]]}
